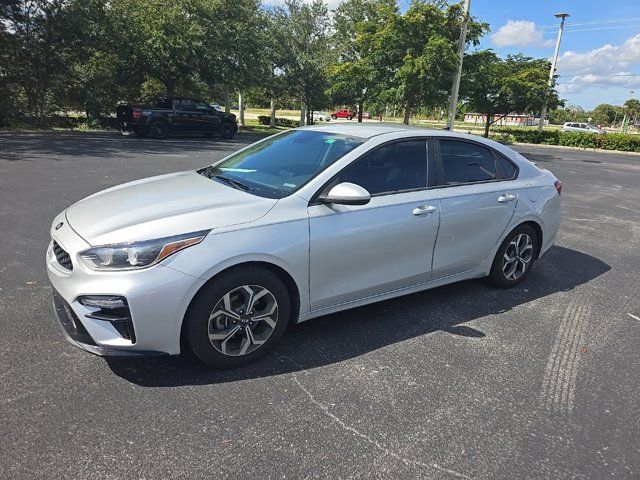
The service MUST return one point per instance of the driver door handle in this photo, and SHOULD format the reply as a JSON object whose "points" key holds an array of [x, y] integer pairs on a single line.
{"points": [[507, 197], [424, 210]]}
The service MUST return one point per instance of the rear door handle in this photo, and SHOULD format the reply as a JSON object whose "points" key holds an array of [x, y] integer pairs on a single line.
{"points": [[507, 197], [424, 210]]}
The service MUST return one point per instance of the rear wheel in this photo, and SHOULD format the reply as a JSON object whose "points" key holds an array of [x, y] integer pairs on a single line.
{"points": [[158, 130], [238, 317], [227, 130], [515, 257]]}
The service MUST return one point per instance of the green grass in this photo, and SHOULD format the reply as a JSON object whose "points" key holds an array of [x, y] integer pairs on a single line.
{"points": [[252, 126]]}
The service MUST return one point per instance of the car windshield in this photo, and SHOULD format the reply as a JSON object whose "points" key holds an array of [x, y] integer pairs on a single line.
{"points": [[280, 165]]}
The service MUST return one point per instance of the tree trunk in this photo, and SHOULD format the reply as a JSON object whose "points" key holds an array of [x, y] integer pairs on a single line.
{"points": [[169, 87], [241, 107], [360, 112], [407, 113], [487, 125], [227, 99], [272, 122], [302, 114]]}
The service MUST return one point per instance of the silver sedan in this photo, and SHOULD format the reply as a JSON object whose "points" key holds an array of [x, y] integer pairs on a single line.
{"points": [[299, 225]]}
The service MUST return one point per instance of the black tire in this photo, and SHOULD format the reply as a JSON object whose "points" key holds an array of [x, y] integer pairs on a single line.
{"points": [[199, 325], [333, 117], [227, 130], [158, 130], [349, 117], [501, 269]]}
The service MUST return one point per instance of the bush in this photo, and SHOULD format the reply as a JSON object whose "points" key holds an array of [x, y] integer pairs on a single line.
{"points": [[280, 122], [620, 141], [610, 141]]}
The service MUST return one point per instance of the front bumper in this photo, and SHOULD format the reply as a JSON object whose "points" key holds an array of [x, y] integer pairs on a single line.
{"points": [[157, 298]]}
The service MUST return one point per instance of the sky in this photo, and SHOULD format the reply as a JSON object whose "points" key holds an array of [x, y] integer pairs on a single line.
{"points": [[599, 60]]}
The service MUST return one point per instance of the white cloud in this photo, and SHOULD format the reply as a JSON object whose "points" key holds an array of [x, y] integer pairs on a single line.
{"points": [[603, 68], [578, 83], [521, 33], [608, 58]]}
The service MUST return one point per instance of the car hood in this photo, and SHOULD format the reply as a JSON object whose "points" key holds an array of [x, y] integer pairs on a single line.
{"points": [[162, 206]]}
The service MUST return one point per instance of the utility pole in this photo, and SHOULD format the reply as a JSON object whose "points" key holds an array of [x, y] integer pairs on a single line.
{"points": [[543, 113], [453, 104]]}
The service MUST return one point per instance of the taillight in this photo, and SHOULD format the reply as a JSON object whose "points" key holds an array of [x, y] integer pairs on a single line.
{"points": [[137, 114], [558, 185]]}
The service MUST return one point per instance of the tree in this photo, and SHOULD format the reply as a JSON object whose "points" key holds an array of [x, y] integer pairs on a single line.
{"points": [[306, 43], [603, 114], [496, 87], [233, 44], [413, 55], [352, 76]]}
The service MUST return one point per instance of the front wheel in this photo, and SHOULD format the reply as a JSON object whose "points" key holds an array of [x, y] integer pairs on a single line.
{"points": [[349, 117], [334, 117], [238, 317], [515, 257]]}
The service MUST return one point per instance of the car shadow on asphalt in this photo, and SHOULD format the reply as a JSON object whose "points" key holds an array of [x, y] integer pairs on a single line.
{"points": [[20, 147], [341, 336]]}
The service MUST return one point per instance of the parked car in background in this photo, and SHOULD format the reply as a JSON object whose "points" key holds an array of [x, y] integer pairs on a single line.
{"points": [[321, 116], [367, 115], [174, 115], [581, 127], [343, 113], [302, 224]]}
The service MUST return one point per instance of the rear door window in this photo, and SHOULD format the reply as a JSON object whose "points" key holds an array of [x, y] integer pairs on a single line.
{"points": [[465, 162]]}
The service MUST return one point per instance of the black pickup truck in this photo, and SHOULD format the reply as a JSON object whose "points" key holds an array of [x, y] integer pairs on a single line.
{"points": [[176, 114]]}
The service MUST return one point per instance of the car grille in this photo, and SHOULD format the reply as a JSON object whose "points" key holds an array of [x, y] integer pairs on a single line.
{"points": [[62, 256]]}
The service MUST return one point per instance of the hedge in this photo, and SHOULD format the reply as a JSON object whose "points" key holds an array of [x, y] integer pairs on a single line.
{"points": [[280, 122], [610, 141]]}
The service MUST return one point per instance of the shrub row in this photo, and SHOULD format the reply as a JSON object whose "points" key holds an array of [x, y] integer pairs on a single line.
{"points": [[280, 122], [610, 141]]}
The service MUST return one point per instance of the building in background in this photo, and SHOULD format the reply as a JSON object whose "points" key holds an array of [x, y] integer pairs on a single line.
{"points": [[512, 119]]}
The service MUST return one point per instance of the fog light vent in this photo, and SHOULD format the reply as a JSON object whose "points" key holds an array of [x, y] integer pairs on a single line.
{"points": [[112, 309]]}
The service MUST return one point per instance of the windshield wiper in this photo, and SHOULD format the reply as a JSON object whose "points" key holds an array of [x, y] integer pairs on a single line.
{"points": [[234, 183]]}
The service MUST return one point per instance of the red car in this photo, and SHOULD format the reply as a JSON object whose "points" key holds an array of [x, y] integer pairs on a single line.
{"points": [[343, 113]]}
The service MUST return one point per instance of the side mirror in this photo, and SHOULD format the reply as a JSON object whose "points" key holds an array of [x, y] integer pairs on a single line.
{"points": [[346, 194]]}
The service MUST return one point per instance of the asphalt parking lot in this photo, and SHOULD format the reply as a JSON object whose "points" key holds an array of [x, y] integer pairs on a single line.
{"points": [[464, 381]]}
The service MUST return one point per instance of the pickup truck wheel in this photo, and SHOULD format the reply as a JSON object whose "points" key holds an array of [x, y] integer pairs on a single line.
{"points": [[227, 130], [158, 130]]}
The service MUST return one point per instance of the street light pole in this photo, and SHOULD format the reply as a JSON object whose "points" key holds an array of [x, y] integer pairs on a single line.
{"points": [[543, 113], [453, 104]]}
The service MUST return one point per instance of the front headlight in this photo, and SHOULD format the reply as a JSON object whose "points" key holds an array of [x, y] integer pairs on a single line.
{"points": [[137, 255]]}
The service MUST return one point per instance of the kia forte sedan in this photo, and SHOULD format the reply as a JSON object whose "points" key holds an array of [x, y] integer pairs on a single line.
{"points": [[312, 221]]}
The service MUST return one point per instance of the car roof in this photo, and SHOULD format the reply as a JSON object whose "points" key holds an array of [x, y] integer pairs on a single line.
{"points": [[370, 130]]}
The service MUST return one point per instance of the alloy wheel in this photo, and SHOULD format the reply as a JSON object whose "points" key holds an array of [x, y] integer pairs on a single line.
{"points": [[517, 257], [243, 320]]}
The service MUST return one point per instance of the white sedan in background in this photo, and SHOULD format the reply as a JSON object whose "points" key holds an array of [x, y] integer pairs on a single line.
{"points": [[321, 116], [581, 127], [309, 222]]}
